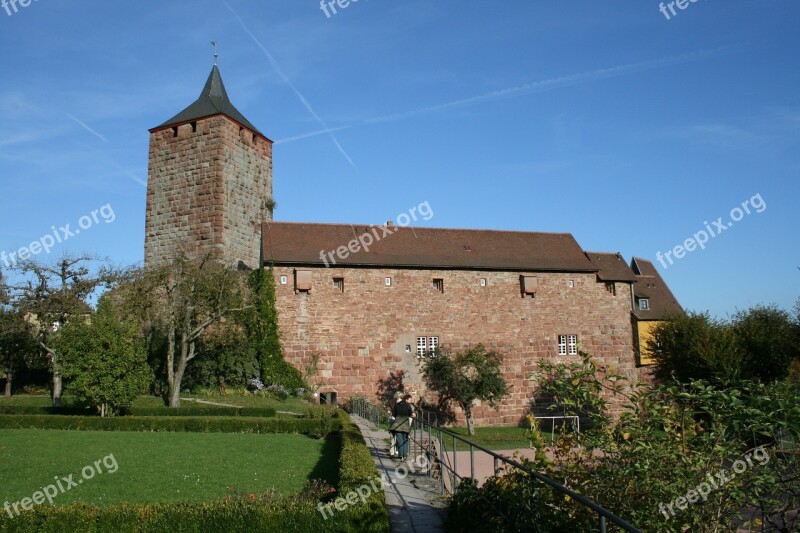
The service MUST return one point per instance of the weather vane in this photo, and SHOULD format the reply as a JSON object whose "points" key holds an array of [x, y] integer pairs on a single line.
{"points": [[216, 55]]}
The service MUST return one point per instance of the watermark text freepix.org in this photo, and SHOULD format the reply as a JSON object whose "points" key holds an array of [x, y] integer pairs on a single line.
{"points": [[8, 5], [368, 238], [60, 235], [326, 5], [670, 7], [702, 237], [62, 485], [367, 489], [715, 482]]}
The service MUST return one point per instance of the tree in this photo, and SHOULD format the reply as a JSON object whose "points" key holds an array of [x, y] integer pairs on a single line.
{"points": [[759, 343], [695, 346], [465, 377], [17, 346], [104, 359], [768, 340], [185, 298], [52, 295]]}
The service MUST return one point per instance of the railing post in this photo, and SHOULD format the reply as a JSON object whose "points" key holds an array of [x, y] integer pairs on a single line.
{"points": [[455, 464], [471, 462]]}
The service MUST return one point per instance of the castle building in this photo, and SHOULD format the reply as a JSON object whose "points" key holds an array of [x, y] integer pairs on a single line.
{"points": [[372, 311], [209, 183]]}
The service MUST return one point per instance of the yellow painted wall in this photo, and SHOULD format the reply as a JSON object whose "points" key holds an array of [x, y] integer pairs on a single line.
{"points": [[645, 334]]}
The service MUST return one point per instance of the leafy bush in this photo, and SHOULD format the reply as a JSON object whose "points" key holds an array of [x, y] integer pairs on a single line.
{"points": [[223, 359], [759, 343], [104, 359]]}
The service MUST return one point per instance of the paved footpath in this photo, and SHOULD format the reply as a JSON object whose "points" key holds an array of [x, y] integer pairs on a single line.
{"points": [[413, 502]]}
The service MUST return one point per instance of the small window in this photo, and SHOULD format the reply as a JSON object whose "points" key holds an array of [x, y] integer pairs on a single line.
{"points": [[571, 284], [567, 345], [438, 284], [284, 280], [483, 282], [194, 127], [408, 348], [338, 284], [644, 304], [422, 346], [611, 287], [572, 345], [433, 343], [388, 282], [175, 131]]}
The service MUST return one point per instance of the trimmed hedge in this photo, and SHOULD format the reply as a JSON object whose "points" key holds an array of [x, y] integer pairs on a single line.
{"points": [[278, 517], [257, 412], [356, 469], [316, 427], [46, 410]]}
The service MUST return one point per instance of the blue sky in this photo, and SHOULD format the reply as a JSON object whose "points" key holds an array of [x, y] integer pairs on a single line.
{"points": [[602, 119]]}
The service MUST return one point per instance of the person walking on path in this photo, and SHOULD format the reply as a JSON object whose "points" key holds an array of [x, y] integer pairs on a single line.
{"points": [[396, 397], [403, 414]]}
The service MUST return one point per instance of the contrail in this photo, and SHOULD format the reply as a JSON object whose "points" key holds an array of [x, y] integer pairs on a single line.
{"points": [[87, 128], [527, 88], [124, 170], [288, 82]]}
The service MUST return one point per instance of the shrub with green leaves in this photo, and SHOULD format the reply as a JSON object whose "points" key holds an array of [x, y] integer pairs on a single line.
{"points": [[668, 442], [104, 359]]}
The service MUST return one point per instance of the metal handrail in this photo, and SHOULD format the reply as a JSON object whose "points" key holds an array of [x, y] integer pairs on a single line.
{"points": [[365, 409]]}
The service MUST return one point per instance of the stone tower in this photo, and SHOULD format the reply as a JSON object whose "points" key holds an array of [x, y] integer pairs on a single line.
{"points": [[209, 184]]}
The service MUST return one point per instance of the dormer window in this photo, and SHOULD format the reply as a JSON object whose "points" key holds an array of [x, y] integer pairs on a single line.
{"points": [[644, 304]]}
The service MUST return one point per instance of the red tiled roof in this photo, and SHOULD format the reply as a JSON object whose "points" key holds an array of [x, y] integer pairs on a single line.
{"points": [[305, 243], [612, 267], [649, 284]]}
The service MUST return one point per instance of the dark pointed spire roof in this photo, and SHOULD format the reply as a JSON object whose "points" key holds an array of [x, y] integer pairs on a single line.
{"points": [[213, 101]]}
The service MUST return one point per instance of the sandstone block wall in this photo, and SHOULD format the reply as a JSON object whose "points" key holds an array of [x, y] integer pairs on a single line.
{"points": [[368, 332], [207, 190]]}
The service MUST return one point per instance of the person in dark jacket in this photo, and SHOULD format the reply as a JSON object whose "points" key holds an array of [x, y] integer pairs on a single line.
{"points": [[396, 397], [403, 414]]}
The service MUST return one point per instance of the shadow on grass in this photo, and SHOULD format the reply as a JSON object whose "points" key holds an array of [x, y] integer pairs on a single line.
{"points": [[327, 468]]}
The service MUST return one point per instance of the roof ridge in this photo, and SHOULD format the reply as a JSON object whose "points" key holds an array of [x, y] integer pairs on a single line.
{"points": [[348, 224]]}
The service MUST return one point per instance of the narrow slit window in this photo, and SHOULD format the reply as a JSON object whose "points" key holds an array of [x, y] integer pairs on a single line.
{"points": [[438, 284], [338, 284]]}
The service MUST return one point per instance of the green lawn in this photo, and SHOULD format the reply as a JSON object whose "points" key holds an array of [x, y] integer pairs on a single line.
{"points": [[503, 438], [161, 467]]}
